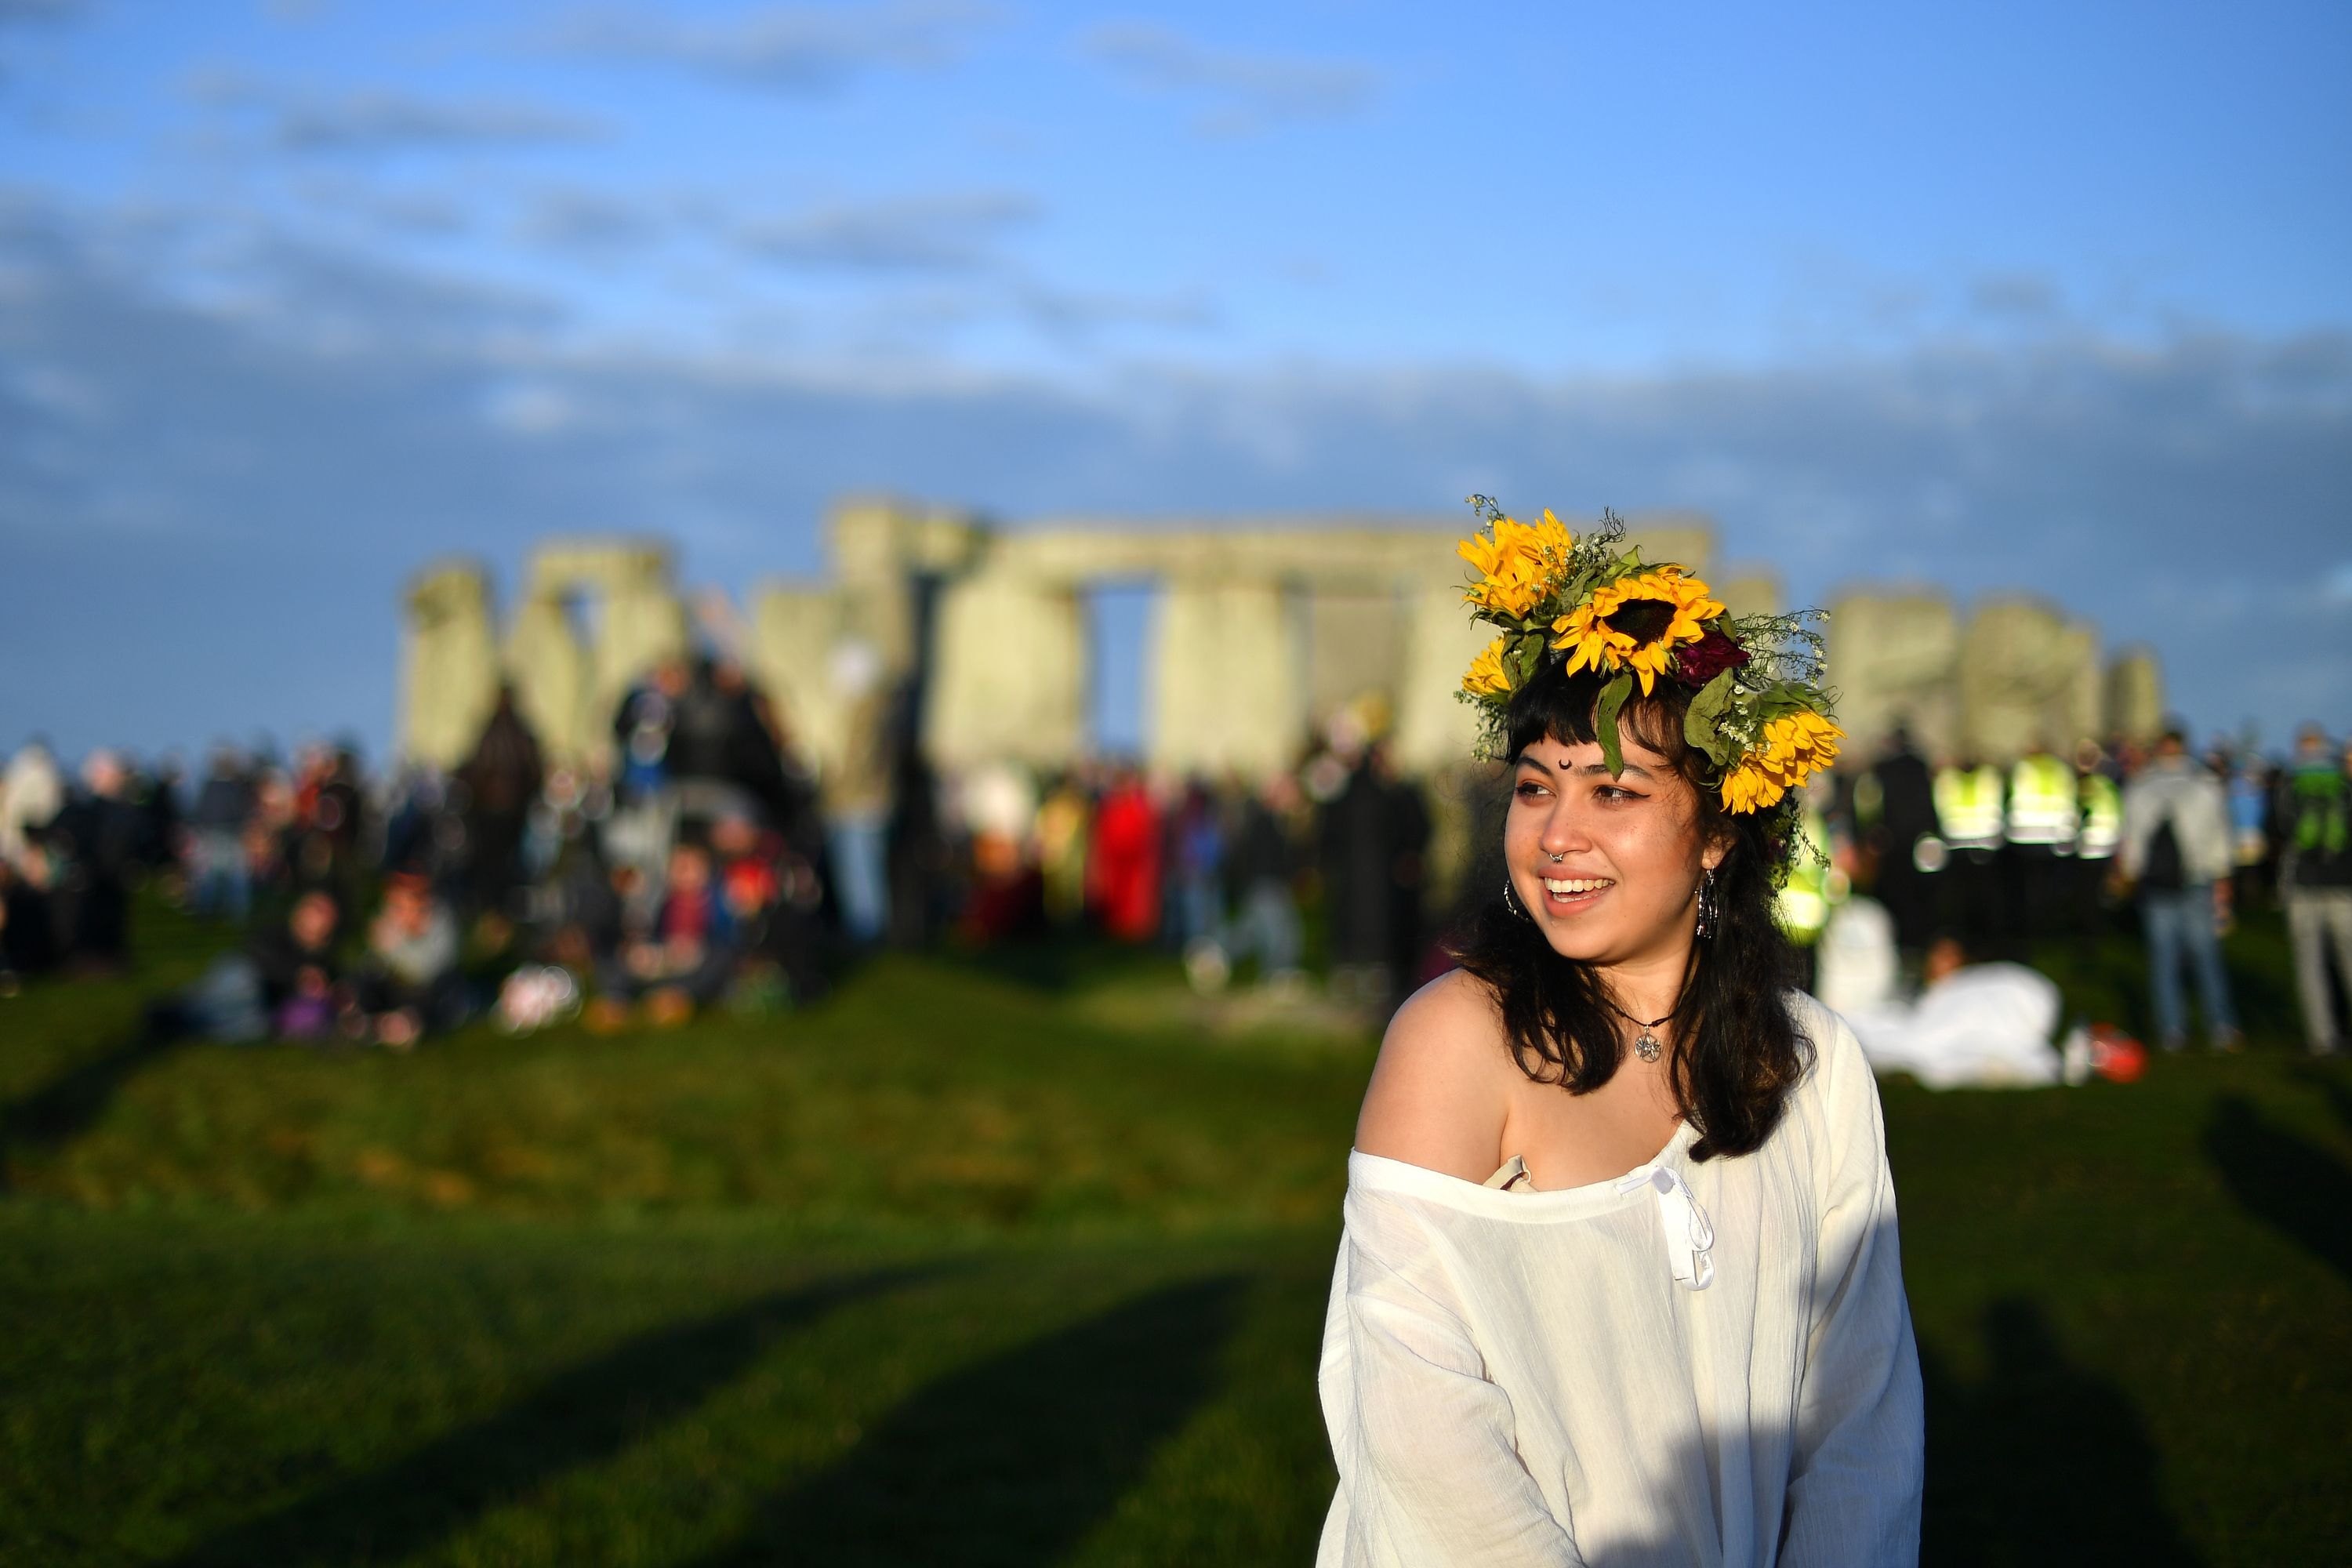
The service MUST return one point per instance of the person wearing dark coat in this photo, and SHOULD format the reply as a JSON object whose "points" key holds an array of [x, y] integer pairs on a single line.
{"points": [[1906, 816], [215, 833], [502, 778], [1359, 896], [1409, 831], [94, 842]]}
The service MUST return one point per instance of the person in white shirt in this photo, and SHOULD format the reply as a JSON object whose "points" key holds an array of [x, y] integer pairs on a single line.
{"points": [[2176, 848], [1669, 1328]]}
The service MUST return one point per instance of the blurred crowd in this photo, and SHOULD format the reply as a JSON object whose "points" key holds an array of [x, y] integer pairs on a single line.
{"points": [[697, 868], [1970, 859], [701, 867]]}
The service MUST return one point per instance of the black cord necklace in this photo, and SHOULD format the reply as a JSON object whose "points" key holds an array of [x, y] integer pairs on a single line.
{"points": [[1648, 1047]]}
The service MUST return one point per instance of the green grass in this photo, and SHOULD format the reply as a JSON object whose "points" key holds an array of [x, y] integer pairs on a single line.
{"points": [[978, 1263]]}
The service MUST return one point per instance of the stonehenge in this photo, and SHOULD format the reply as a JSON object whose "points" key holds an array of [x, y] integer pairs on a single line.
{"points": [[971, 638], [2016, 674]]}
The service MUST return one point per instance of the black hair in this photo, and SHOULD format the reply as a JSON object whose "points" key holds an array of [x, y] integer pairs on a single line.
{"points": [[1738, 1052]]}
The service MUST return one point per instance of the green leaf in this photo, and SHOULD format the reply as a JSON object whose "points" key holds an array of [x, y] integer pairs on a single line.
{"points": [[1604, 720], [1699, 723]]}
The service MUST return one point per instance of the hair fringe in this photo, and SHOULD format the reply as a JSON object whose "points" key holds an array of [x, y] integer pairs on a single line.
{"points": [[1737, 1049]]}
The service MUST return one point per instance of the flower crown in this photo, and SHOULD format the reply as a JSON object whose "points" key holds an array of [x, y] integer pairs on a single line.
{"points": [[1758, 709]]}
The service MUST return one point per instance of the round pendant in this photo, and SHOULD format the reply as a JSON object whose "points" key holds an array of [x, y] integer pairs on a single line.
{"points": [[1647, 1047]]}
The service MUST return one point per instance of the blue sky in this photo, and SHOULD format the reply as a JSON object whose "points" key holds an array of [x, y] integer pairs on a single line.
{"points": [[294, 296]]}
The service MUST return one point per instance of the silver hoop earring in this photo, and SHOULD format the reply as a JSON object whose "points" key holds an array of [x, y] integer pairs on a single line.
{"points": [[1707, 911], [1511, 902]]}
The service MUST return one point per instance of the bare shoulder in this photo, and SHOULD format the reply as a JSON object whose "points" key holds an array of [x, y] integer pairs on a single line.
{"points": [[1441, 1089]]}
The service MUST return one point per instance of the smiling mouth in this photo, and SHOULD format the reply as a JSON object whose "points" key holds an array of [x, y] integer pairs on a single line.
{"points": [[1576, 886]]}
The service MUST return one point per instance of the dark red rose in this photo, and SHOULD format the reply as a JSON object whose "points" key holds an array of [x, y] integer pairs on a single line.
{"points": [[1698, 663]]}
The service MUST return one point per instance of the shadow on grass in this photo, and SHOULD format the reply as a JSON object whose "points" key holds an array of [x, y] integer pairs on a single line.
{"points": [[1014, 1461], [71, 1104], [2281, 1177], [2042, 1462], [583, 1417]]}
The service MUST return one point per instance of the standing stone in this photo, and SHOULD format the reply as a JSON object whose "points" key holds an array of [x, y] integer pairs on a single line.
{"points": [[1227, 690], [1891, 660], [449, 667], [1011, 676], [2135, 695], [551, 672], [2028, 678]]}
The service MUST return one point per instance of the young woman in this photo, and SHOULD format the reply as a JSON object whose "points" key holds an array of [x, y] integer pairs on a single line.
{"points": [[1620, 1282]]}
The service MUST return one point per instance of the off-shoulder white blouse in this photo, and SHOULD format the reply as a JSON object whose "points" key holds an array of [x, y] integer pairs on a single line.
{"points": [[1693, 1363]]}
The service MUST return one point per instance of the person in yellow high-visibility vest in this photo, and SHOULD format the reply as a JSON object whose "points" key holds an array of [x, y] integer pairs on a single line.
{"points": [[2097, 836], [2040, 826], [1969, 801]]}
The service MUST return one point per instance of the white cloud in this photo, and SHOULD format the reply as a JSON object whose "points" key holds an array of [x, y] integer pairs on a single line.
{"points": [[366, 120], [787, 48], [930, 232], [218, 508], [1244, 92]]}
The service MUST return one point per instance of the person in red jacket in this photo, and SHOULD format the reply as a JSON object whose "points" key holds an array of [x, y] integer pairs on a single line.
{"points": [[1123, 861]]}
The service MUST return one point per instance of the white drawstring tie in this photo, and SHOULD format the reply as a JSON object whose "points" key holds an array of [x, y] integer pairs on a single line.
{"points": [[1689, 1233]]}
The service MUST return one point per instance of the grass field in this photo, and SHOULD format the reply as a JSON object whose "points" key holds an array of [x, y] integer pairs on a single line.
{"points": [[997, 1262]]}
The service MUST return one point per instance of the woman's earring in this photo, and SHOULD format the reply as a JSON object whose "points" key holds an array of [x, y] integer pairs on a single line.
{"points": [[1511, 902], [1707, 915]]}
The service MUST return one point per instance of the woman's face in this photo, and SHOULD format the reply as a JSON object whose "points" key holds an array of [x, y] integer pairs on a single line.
{"points": [[1609, 868]]}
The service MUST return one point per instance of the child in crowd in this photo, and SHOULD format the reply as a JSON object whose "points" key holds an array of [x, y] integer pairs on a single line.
{"points": [[409, 982], [686, 958]]}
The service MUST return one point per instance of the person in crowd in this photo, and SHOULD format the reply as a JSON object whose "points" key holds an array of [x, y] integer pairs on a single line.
{"points": [[1359, 859], [32, 792], [2249, 786], [1123, 859], [2044, 819], [1987, 1025], [28, 934], [160, 835], [1005, 890], [1894, 808], [286, 982], [1196, 855], [2315, 880], [2100, 833], [502, 778], [1969, 804], [1262, 869], [1409, 829], [94, 842], [272, 835], [683, 960], [641, 729], [219, 883], [1620, 1279], [1062, 832], [295, 959], [408, 983], [917, 851], [776, 898], [2176, 850]]}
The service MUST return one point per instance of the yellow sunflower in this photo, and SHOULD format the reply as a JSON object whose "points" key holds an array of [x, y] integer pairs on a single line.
{"points": [[1598, 644], [1793, 747], [1516, 565], [1485, 676]]}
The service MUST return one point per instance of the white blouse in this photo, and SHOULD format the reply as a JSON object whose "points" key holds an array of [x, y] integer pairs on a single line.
{"points": [[1699, 1363]]}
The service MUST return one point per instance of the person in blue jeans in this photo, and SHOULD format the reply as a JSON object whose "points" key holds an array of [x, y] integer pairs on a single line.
{"points": [[2176, 849]]}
